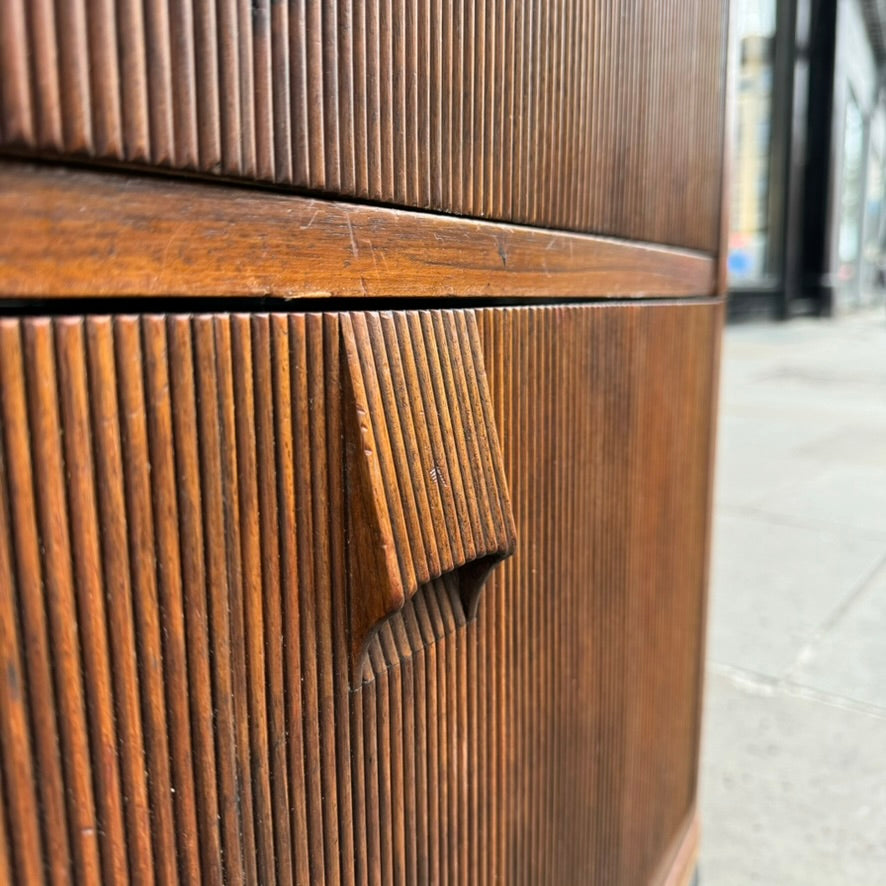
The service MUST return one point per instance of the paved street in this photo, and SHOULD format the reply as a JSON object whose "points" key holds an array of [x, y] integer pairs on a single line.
{"points": [[794, 750]]}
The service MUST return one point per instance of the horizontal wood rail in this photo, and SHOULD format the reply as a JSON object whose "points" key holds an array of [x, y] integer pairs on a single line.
{"points": [[75, 233]]}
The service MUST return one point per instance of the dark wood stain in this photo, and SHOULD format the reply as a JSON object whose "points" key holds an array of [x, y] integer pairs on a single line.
{"points": [[359, 596], [79, 234], [557, 114], [197, 594], [428, 494]]}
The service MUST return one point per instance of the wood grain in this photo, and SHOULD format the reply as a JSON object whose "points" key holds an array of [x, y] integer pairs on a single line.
{"points": [[81, 234], [587, 115], [174, 577], [427, 490]]}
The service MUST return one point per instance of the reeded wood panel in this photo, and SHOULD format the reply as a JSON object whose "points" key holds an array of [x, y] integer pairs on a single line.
{"points": [[427, 493], [176, 700], [592, 115]]}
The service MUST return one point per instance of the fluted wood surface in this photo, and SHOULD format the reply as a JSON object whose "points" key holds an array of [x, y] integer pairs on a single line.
{"points": [[592, 115], [427, 493], [177, 701]]}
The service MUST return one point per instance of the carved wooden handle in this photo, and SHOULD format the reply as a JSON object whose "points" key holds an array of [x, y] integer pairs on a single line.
{"points": [[426, 488]]}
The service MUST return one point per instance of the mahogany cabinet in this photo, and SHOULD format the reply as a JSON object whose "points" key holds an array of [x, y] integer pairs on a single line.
{"points": [[358, 368]]}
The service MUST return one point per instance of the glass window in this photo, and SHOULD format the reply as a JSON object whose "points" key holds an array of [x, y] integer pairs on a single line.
{"points": [[872, 256], [749, 229], [852, 182]]}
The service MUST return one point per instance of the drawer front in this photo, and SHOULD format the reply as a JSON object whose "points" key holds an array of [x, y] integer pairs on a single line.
{"points": [[224, 661], [589, 115]]}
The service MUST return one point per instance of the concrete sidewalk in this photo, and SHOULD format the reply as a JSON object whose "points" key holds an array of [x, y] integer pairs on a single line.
{"points": [[794, 748]]}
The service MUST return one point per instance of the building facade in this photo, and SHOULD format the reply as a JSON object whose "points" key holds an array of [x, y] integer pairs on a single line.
{"points": [[807, 233]]}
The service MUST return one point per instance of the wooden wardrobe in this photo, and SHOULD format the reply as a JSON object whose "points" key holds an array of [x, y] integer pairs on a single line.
{"points": [[358, 367]]}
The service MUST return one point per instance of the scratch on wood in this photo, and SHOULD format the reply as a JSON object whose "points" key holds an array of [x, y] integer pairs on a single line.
{"points": [[172, 238], [502, 252], [354, 250]]}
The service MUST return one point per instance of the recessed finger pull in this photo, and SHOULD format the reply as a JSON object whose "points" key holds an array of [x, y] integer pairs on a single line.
{"points": [[426, 489]]}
